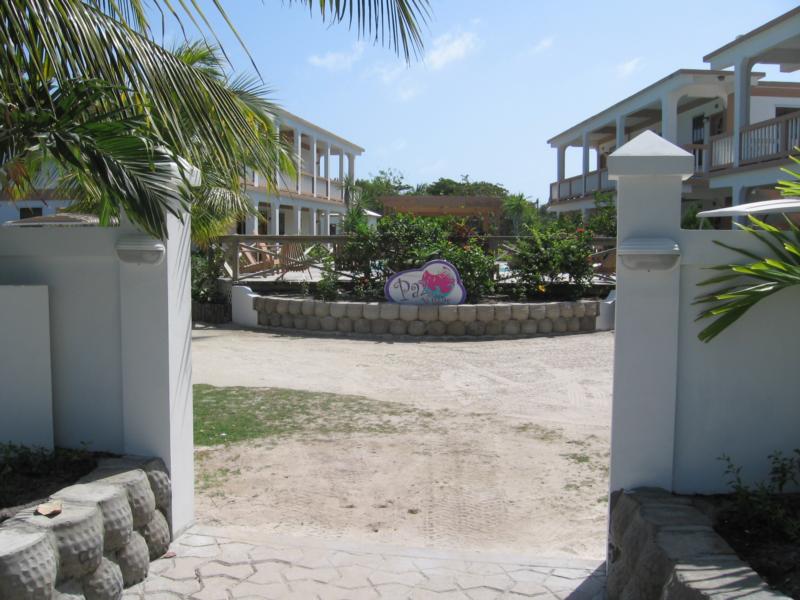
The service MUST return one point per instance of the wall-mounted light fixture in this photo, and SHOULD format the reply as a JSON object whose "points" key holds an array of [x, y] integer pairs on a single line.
{"points": [[649, 254], [140, 250]]}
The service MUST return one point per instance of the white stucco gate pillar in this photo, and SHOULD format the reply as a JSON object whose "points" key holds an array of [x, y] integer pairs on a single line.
{"points": [[649, 172], [156, 340]]}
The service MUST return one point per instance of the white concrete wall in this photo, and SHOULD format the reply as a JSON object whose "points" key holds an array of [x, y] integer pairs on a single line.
{"points": [[26, 393], [120, 337], [679, 404], [762, 108]]}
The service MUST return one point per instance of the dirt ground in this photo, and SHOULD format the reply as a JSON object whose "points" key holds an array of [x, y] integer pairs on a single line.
{"points": [[511, 456]]}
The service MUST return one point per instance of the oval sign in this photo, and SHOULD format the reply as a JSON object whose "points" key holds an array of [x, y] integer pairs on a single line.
{"points": [[435, 282]]}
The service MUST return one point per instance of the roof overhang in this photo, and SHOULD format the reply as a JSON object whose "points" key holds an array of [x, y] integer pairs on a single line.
{"points": [[286, 116]]}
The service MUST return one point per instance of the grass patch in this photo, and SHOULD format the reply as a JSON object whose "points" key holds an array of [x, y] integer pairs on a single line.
{"points": [[539, 432], [234, 414]]}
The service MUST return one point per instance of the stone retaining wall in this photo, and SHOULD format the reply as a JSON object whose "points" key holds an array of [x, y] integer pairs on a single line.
{"points": [[661, 546], [113, 523], [387, 318]]}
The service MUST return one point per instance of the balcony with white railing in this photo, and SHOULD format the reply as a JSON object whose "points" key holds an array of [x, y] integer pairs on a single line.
{"points": [[773, 139], [579, 186], [289, 185]]}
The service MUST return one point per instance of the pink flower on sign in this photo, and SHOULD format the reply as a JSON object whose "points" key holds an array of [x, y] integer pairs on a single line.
{"points": [[440, 283]]}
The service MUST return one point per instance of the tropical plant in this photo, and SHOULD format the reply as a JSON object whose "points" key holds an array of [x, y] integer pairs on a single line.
{"points": [[387, 182], [87, 89], [751, 282], [603, 221], [519, 211]]}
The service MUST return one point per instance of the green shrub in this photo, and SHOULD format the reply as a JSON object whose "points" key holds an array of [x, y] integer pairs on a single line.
{"points": [[406, 242], [475, 267], [327, 287], [207, 267]]}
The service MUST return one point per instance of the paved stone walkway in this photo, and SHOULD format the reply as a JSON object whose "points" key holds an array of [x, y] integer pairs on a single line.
{"points": [[224, 563]]}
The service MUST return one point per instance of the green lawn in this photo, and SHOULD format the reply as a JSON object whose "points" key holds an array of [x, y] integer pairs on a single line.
{"points": [[233, 414]]}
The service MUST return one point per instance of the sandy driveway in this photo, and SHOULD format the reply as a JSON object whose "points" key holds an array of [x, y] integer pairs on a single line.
{"points": [[513, 459]]}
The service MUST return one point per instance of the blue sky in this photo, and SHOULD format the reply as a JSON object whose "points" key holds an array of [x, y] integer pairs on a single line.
{"points": [[499, 77]]}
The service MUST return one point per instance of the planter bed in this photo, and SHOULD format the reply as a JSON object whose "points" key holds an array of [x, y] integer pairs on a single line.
{"points": [[386, 318], [214, 313]]}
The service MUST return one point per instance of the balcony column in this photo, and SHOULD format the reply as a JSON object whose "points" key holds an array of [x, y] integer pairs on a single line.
{"points": [[314, 222], [620, 130], [560, 163], [351, 167], [741, 105], [341, 174], [328, 170], [669, 118], [327, 222], [298, 153], [586, 150], [314, 170], [298, 221], [275, 222], [278, 166]]}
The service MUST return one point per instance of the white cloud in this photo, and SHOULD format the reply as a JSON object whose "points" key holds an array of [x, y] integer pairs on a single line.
{"points": [[449, 47], [338, 61], [543, 44], [407, 91], [387, 73], [629, 67]]}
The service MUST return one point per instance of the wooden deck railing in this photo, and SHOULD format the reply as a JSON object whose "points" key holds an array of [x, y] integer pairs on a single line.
{"points": [[253, 256]]}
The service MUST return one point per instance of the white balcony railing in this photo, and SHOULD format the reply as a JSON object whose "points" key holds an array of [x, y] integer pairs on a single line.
{"points": [[773, 139], [289, 184], [575, 187]]}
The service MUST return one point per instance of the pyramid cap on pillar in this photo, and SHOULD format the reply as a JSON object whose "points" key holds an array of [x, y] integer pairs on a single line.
{"points": [[650, 154]]}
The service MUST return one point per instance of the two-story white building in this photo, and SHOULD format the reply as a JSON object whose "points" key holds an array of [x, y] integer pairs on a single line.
{"points": [[313, 202], [310, 204], [739, 126]]}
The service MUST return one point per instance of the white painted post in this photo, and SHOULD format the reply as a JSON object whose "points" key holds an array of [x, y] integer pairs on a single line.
{"points": [[620, 131], [649, 172], [277, 166], [298, 152], [669, 118], [314, 221], [155, 331], [560, 163], [351, 172], [314, 171], [275, 222], [328, 170], [298, 221], [327, 223], [741, 105], [586, 149]]}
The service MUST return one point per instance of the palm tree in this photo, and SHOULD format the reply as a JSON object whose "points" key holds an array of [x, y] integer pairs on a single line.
{"points": [[86, 87]]}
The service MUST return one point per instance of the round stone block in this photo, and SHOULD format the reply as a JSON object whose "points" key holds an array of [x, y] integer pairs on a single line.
{"points": [[390, 310], [529, 327], [354, 310], [520, 312], [275, 320], [579, 309], [476, 328], [28, 563], [588, 323], [263, 318], [448, 313], [552, 310], [409, 312], [78, 531], [573, 324], [270, 305], [287, 321], [372, 310], [321, 309], [158, 476], [566, 310], [416, 328], [295, 307], [484, 312], [344, 325], [436, 328], [307, 307], [156, 535], [258, 303], [361, 326], [398, 327], [591, 308], [312, 323], [328, 323], [136, 484], [299, 322], [545, 326], [105, 583], [511, 327], [494, 327], [456, 328], [282, 307], [379, 326], [113, 503], [537, 311], [502, 312], [133, 560], [338, 309], [428, 312], [560, 325], [467, 312], [69, 590]]}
